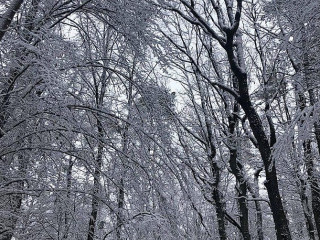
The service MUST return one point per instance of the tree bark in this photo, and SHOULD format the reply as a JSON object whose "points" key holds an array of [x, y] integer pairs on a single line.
{"points": [[315, 188], [255, 193], [96, 184], [236, 63], [308, 159], [68, 198], [236, 169], [306, 209], [120, 209], [220, 210], [7, 17], [278, 213], [13, 202]]}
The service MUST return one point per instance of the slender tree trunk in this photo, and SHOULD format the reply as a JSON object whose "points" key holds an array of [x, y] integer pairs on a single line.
{"points": [[315, 188], [302, 185], [120, 208], [301, 103], [236, 169], [255, 193], [125, 146], [215, 169], [68, 198], [7, 17], [306, 209], [244, 214], [220, 211], [259, 220], [308, 159], [96, 184], [16, 71], [13, 202]]}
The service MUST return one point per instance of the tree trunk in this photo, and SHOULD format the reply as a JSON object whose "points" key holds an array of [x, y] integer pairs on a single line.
{"points": [[306, 209], [236, 169], [217, 196], [6, 18], [13, 202], [220, 209], [125, 146], [96, 184], [278, 213], [301, 184], [67, 210], [256, 194], [120, 208], [315, 190]]}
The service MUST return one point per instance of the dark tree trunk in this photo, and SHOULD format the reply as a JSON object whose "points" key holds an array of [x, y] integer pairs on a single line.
{"points": [[237, 66], [244, 214], [220, 210], [278, 213], [315, 189], [120, 208], [255, 193], [6, 18], [16, 71], [96, 184], [236, 169]]}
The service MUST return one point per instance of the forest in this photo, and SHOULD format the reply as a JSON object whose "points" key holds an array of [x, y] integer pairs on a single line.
{"points": [[159, 119]]}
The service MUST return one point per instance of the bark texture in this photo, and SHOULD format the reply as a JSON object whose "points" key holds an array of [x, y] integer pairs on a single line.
{"points": [[7, 17]]}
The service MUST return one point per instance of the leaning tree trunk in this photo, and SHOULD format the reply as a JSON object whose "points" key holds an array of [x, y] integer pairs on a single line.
{"points": [[6, 18], [227, 41], [278, 212], [234, 50]]}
